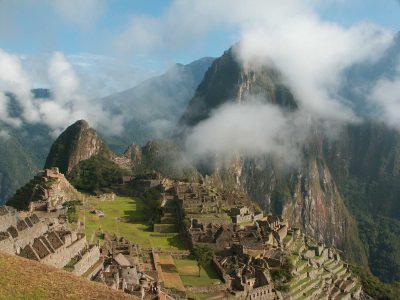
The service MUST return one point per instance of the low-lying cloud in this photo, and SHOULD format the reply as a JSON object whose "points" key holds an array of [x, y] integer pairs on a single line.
{"points": [[66, 105], [312, 55], [252, 128], [385, 97]]}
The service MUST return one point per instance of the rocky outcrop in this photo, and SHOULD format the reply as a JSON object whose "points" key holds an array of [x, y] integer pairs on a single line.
{"points": [[78, 142], [48, 190]]}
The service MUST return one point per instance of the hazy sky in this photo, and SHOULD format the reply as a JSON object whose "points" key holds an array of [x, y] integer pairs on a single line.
{"points": [[90, 33]]}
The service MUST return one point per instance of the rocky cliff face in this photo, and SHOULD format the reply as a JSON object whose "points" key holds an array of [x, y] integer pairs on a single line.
{"points": [[77, 143], [307, 195]]}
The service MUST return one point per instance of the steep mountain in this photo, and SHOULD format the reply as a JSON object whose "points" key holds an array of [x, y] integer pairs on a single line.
{"points": [[89, 164], [344, 190], [306, 195], [77, 143], [152, 108], [16, 166], [22, 150], [226, 81], [365, 163]]}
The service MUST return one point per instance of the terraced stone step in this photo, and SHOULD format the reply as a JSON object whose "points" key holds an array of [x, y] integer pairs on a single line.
{"points": [[331, 264], [336, 268], [299, 283], [335, 292], [343, 296], [305, 288], [301, 264], [341, 272], [312, 293]]}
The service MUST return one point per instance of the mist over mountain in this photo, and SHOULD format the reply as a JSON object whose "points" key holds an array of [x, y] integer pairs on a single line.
{"points": [[150, 110], [247, 129]]}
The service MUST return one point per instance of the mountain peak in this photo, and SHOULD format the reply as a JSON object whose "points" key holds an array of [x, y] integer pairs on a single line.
{"points": [[82, 124], [78, 142]]}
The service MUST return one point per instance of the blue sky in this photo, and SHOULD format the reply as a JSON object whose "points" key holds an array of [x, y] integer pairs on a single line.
{"points": [[35, 29]]}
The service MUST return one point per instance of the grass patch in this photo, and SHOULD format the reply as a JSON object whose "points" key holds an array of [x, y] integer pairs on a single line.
{"points": [[170, 273], [127, 217], [189, 273], [27, 279]]}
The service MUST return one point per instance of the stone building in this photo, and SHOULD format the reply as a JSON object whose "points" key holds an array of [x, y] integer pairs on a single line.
{"points": [[246, 277], [34, 238]]}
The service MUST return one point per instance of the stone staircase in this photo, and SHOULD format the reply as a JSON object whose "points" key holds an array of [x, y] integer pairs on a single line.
{"points": [[320, 277]]}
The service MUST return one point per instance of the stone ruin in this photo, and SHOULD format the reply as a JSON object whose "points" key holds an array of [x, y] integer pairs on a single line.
{"points": [[47, 191], [122, 268], [35, 238], [247, 277]]}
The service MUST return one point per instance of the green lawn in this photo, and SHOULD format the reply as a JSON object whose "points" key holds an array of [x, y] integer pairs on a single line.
{"points": [[189, 273], [125, 216]]}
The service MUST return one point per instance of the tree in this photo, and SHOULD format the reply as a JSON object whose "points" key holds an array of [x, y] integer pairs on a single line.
{"points": [[203, 255]]}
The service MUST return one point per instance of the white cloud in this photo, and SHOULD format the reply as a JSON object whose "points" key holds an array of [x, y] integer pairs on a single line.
{"points": [[14, 80], [4, 112], [66, 105], [312, 55], [385, 96], [251, 128], [4, 134]]}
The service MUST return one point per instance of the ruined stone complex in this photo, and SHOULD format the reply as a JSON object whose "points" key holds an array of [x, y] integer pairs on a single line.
{"points": [[257, 256], [251, 248], [47, 191], [47, 241]]}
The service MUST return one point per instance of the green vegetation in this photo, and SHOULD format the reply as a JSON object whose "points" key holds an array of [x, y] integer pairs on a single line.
{"points": [[95, 174], [374, 287], [152, 199], [71, 210], [379, 234], [283, 275], [203, 256], [126, 217], [188, 271]]}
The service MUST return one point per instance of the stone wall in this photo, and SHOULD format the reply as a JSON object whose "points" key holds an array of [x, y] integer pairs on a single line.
{"points": [[91, 257], [221, 272], [63, 255], [20, 232], [242, 219], [215, 221], [8, 219], [29, 234], [261, 293], [207, 288]]}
